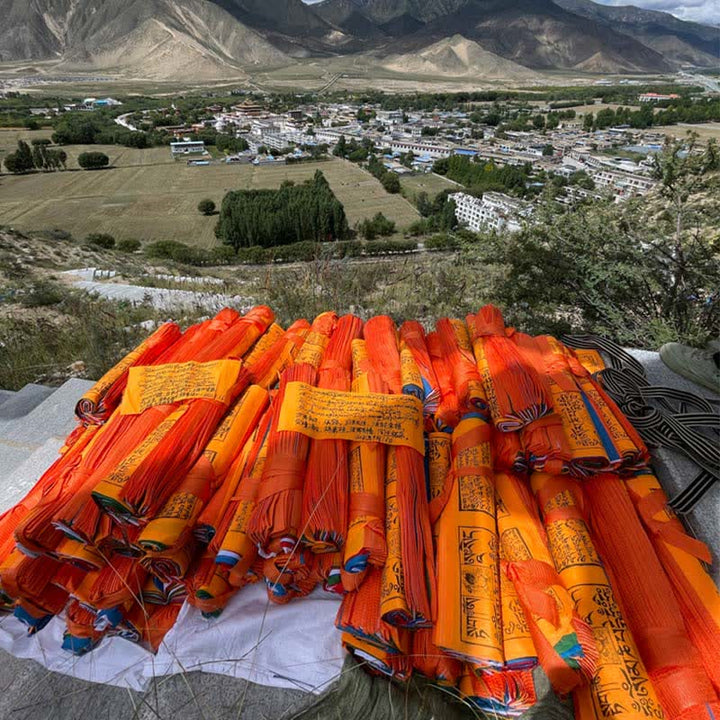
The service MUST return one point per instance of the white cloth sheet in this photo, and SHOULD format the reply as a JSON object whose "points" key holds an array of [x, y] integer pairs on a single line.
{"points": [[291, 646]]}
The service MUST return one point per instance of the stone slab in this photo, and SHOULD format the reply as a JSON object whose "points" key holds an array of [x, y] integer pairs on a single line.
{"points": [[24, 400], [54, 416], [5, 395]]}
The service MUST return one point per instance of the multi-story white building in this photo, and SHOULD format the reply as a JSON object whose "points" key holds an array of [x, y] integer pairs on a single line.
{"points": [[420, 148], [623, 185], [493, 211]]}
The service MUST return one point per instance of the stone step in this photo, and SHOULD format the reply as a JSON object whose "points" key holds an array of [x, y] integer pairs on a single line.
{"points": [[6, 395], [23, 468], [54, 416], [24, 401], [38, 417]]}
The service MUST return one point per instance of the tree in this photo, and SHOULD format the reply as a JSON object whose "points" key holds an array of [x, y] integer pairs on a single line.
{"points": [[588, 122], [93, 160], [24, 156], [548, 150], [538, 122], [290, 214], [440, 166], [22, 160], [391, 183], [340, 149], [206, 207], [378, 226], [641, 272], [423, 204]]}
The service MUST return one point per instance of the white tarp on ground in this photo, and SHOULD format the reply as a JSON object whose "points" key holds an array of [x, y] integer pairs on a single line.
{"points": [[291, 646]]}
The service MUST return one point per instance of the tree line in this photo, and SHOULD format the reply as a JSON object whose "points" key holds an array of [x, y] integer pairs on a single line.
{"points": [[672, 112], [290, 214], [480, 177], [38, 157], [41, 156]]}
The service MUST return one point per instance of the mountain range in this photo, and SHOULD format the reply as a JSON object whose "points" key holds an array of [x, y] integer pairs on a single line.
{"points": [[206, 39]]}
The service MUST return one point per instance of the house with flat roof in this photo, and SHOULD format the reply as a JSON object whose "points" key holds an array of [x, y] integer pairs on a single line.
{"points": [[187, 147]]}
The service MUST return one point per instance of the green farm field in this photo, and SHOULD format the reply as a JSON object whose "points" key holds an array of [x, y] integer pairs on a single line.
{"points": [[149, 196]]}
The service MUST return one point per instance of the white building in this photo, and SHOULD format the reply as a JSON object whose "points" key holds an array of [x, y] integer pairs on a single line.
{"points": [[493, 211], [187, 147], [420, 148], [622, 184]]}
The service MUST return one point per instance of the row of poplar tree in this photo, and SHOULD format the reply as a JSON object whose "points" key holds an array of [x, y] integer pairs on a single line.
{"points": [[38, 157]]}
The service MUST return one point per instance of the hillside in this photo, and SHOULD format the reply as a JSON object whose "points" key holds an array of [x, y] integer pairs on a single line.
{"points": [[458, 57], [158, 39], [214, 39], [681, 42]]}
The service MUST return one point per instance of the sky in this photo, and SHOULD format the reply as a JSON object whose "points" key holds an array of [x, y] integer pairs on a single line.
{"points": [[704, 11]]}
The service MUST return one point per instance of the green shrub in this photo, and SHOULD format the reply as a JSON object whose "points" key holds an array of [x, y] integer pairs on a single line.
{"points": [[179, 252], [101, 240], [93, 160], [442, 242], [42, 294], [206, 207], [129, 245]]}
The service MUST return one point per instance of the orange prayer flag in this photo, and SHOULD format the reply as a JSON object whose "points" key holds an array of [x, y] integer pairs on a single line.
{"points": [[276, 521], [325, 491], [409, 595], [620, 686], [448, 411], [458, 352], [469, 619], [515, 392], [176, 520], [683, 558], [565, 645], [98, 403], [365, 545], [647, 600]]}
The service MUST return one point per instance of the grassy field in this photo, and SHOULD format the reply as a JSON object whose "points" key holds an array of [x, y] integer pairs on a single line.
{"points": [[149, 196], [430, 183], [706, 131]]}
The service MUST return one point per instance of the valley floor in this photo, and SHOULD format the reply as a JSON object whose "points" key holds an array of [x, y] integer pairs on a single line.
{"points": [[149, 196]]}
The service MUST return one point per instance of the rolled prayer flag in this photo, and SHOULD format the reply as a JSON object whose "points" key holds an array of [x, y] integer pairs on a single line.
{"points": [[447, 415], [275, 525], [325, 491], [176, 520], [648, 603], [469, 619], [565, 644], [409, 580], [98, 403], [413, 336], [514, 390], [620, 686], [684, 559], [458, 351], [235, 548], [365, 545]]}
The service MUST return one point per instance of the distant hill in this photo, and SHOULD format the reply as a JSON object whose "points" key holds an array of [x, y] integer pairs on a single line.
{"points": [[680, 42], [206, 39], [458, 57]]}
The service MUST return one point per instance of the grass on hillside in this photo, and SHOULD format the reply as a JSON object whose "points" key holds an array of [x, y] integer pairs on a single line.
{"points": [[45, 325]]}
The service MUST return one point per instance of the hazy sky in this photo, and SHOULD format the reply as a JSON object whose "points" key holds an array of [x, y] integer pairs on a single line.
{"points": [[705, 11]]}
